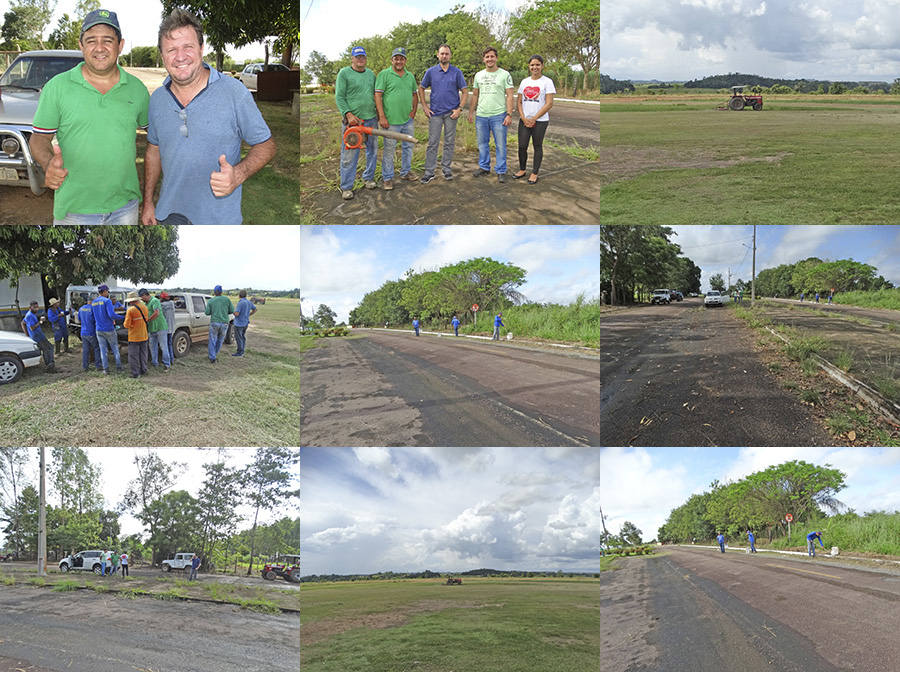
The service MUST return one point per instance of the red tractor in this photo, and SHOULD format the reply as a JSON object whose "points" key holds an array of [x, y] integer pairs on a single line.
{"points": [[739, 101], [453, 582], [287, 567]]}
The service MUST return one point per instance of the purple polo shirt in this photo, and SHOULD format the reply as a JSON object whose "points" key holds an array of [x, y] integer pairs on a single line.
{"points": [[445, 88]]}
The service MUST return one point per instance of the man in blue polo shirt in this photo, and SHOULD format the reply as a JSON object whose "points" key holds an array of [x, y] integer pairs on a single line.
{"points": [[89, 337], [242, 313], [448, 98], [105, 319], [31, 325], [95, 110], [198, 119]]}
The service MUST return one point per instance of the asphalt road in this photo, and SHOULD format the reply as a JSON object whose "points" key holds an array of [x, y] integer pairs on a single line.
{"points": [[88, 632], [685, 375], [700, 610], [393, 389]]}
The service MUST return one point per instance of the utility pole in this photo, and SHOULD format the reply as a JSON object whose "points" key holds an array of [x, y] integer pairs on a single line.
{"points": [[603, 525], [728, 287], [753, 279], [42, 522]]}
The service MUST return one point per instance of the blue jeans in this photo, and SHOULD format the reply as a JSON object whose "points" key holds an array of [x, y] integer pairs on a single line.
{"points": [[127, 215], [811, 547], [102, 568], [217, 332], [752, 547], [484, 127], [108, 341], [417, 330], [436, 123], [390, 146], [722, 547], [171, 348], [193, 573], [240, 334], [350, 158], [159, 340], [88, 344]]}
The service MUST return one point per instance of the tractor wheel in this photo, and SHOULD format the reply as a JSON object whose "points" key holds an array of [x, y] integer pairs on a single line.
{"points": [[737, 103], [757, 105], [269, 575], [294, 577]]}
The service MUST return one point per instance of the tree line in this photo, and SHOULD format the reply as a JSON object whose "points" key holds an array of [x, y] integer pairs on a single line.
{"points": [[635, 259], [758, 501], [814, 274], [205, 522], [565, 32], [437, 295]]}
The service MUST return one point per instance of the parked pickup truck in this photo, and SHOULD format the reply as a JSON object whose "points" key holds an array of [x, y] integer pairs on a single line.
{"points": [[191, 320], [179, 562], [661, 296]]}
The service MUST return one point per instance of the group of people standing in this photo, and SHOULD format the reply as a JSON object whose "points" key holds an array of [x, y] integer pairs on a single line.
{"points": [[391, 100], [112, 560], [751, 538], [195, 125]]}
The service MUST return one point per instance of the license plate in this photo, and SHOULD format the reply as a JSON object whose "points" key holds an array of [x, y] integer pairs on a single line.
{"points": [[9, 174]]}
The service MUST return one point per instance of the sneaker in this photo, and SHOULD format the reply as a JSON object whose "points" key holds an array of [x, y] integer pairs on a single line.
{"points": [[448, 176], [501, 177], [371, 184], [480, 172], [106, 372], [166, 369], [408, 176], [389, 184], [425, 180], [240, 356], [347, 194]]}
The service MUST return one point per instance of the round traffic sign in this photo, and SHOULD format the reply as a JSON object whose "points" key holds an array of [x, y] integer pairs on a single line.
{"points": [[789, 518], [475, 307]]}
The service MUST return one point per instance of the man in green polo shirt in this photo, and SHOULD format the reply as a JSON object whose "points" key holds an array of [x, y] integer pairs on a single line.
{"points": [[95, 110], [354, 95], [397, 100]]}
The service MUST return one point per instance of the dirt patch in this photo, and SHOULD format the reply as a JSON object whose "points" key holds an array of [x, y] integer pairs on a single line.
{"points": [[621, 162], [318, 631], [627, 622]]}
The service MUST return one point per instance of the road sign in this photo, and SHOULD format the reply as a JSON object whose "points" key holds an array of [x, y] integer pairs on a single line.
{"points": [[789, 518], [475, 307]]}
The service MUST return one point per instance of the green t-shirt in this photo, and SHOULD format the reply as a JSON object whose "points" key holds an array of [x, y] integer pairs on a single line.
{"points": [[397, 92], [355, 92], [159, 323], [96, 135], [492, 92], [218, 308]]}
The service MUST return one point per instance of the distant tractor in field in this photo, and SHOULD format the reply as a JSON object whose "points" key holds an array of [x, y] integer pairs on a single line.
{"points": [[739, 101], [453, 582]]}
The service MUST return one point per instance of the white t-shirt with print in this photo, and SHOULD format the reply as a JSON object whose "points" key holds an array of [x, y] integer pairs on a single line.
{"points": [[534, 95]]}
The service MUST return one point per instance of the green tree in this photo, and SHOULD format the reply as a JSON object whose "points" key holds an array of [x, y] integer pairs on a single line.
{"points": [[267, 480], [325, 316], [66, 34], [144, 495], [25, 22], [178, 527], [75, 480], [630, 534], [13, 480], [321, 68], [717, 282], [217, 504], [562, 30]]}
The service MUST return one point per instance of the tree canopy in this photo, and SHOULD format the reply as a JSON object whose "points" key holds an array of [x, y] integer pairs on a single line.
{"points": [[814, 274]]}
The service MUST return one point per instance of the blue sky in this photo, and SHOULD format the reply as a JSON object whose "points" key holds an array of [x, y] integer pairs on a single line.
{"points": [[644, 485], [678, 40], [716, 248], [367, 510], [339, 264]]}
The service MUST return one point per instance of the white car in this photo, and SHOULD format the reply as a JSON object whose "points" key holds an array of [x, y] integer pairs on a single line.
{"points": [[17, 352], [252, 70], [713, 298], [87, 561], [179, 562]]}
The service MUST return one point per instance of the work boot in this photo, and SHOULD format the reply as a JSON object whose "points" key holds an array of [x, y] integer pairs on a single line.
{"points": [[52, 369]]}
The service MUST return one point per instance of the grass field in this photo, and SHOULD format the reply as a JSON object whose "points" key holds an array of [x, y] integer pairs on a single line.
{"points": [[236, 402], [423, 625], [801, 160]]}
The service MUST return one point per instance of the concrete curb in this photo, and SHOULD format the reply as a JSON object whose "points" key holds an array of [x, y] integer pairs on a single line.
{"points": [[485, 337], [888, 409], [775, 550]]}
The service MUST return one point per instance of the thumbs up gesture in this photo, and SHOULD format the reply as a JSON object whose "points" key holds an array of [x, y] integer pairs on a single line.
{"points": [[56, 173], [224, 181]]}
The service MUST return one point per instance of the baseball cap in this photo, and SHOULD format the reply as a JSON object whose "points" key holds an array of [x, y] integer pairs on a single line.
{"points": [[102, 287], [358, 51], [217, 288], [143, 292], [164, 295], [399, 51], [99, 16]]}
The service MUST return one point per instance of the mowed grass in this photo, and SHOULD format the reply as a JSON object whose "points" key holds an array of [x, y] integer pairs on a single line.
{"points": [[236, 402], [795, 162], [423, 625]]}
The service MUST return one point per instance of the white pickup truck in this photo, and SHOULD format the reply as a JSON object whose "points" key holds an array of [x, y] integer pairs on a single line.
{"points": [[179, 562]]}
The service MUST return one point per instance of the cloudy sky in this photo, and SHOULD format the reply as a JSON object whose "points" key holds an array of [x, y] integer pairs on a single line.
{"points": [[140, 24], [341, 263], [644, 485], [367, 510], [678, 40], [118, 469], [263, 257], [716, 248]]}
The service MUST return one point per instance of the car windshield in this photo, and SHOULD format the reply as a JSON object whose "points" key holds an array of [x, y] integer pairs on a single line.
{"points": [[33, 72]]}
